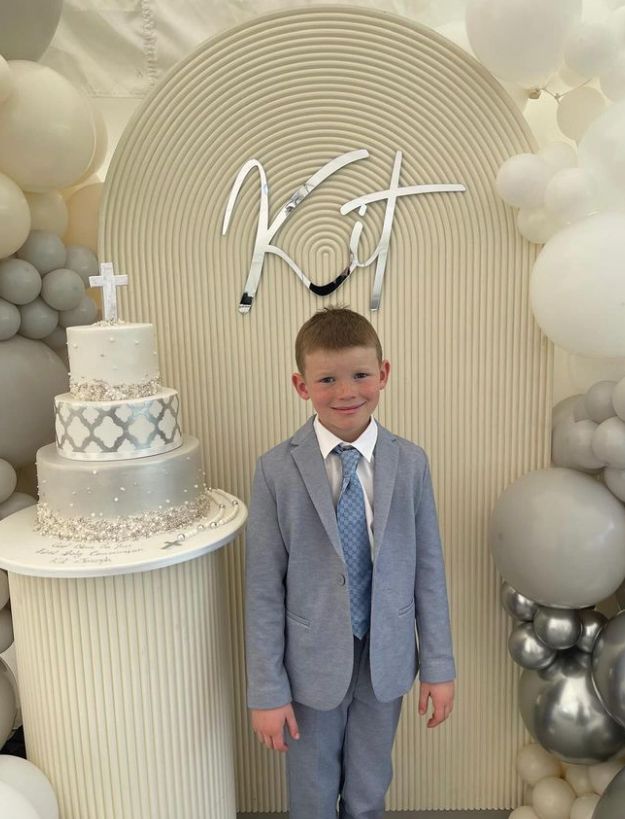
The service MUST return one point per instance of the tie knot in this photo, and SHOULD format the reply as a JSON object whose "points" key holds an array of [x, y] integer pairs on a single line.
{"points": [[349, 459]]}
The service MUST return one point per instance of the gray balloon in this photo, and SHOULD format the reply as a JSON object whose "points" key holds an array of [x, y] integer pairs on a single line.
{"points": [[57, 339], [38, 319], [557, 628], [592, 623], [62, 289], [598, 401], [85, 313], [612, 802], [571, 445], [608, 667], [44, 250], [30, 376], [17, 502], [82, 260], [615, 481], [563, 713], [27, 28], [10, 319], [527, 650], [580, 413], [618, 399], [564, 409], [20, 281], [608, 443], [517, 605]]}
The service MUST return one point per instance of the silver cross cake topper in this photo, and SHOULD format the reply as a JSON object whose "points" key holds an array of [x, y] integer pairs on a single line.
{"points": [[109, 283]]}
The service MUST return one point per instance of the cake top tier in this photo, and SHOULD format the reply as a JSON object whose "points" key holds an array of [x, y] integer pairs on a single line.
{"points": [[110, 361]]}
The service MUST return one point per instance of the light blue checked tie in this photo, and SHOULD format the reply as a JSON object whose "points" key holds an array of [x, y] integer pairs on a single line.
{"points": [[352, 525]]}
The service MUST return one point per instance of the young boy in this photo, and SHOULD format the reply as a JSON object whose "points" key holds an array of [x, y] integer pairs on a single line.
{"points": [[343, 557]]}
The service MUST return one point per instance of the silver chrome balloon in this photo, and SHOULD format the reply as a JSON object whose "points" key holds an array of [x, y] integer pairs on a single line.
{"points": [[608, 667], [562, 712], [612, 803], [516, 604], [527, 650], [557, 628], [592, 623]]}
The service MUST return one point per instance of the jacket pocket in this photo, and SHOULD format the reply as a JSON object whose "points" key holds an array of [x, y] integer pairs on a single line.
{"points": [[297, 619], [406, 609]]}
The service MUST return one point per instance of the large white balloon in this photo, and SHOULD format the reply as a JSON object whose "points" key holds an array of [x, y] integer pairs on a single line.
{"points": [[533, 763], [520, 40], [557, 537], [14, 216], [578, 109], [590, 48], [6, 80], [584, 806], [553, 798], [601, 154], [537, 225], [577, 286], [569, 195], [14, 804], [559, 155], [522, 179], [47, 132], [31, 782], [27, 27]]}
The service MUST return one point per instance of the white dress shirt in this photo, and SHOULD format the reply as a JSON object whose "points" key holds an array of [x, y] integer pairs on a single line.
{"points": [[365, 444]]}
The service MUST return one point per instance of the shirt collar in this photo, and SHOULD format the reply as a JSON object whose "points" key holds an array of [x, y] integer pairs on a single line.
{"points": [[364, 444]]}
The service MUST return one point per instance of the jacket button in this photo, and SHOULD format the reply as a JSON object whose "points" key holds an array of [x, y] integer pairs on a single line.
{"points": [[341, 580]]}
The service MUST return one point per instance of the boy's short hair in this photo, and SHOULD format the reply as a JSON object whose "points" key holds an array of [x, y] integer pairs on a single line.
{"points": [[335, 328]]}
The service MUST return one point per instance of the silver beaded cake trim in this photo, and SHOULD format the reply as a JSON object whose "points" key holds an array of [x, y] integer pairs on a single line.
{"points": [[127, 527], [101, 391]]}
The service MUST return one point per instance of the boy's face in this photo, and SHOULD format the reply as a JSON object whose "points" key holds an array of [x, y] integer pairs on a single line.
{"points": [[344, 387]]}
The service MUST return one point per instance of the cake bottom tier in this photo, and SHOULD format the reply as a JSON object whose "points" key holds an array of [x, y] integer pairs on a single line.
{"points": [[120, 499], [129, 716]]}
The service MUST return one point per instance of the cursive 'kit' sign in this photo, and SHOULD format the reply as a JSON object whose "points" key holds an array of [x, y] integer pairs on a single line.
{"points": [[266, 232]]}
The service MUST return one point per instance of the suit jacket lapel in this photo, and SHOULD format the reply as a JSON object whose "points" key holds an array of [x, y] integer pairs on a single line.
{"points": [[307, 456], [384, 475]]}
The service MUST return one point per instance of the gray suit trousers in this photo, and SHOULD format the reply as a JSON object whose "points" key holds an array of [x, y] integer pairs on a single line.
{"points": [[343, 754]]}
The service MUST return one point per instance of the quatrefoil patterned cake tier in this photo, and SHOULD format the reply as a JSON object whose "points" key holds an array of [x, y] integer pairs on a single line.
{"points": [[117, 430]]}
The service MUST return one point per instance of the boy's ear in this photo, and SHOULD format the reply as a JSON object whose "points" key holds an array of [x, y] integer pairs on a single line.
{"points": [[297, 379], [385, 369]]}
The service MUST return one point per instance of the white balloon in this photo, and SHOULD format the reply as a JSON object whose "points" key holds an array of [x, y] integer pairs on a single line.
{"points": [[520, 40], [38, 319], [615, 481], [48, 211], [534, 763], [522, 179], [47, 132], [17, 502], [524, 812], [27, 27], [601, 154], [612, 81], [590, 48], [578, 778], [584, 806], [553, 798], [608, 443], [14, 804], [6, 630], [598, 401], [569, 195], [8, 482], [618, 398], [577, 109], [14, 216], [571, 445], [31, 782], [603, 773], [10, 320], [6, 79], [559, 155], [577, 287], [537, 225]]}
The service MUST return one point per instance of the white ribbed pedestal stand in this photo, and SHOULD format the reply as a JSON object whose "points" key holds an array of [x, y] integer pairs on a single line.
{"points": [[125, 675]]}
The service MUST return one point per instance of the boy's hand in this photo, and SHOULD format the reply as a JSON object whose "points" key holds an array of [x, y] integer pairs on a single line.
{"points": [[268, 725], [442, 696]]}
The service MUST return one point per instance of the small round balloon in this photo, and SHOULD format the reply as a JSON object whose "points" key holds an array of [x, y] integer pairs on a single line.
{"points": [[524, 812], [608, 443], [62, 289], [82, 260], [569, 196], [578, 778], [598, 401], [27, 27], [590, 48], [48, 211], [557, 537], [584, 806], [44, 250], [47, 132], [578, 109], [38, 319], [6, 630], [20, 282], [8, 481], [608, 667], [14, 216], [592, 623], [10, 320], [562, 712], [553, 798], [85, 313], [557, 628], [32, 783], [559, 155], [522, 179], [8, 707], [537, 225], [571, 445], [617, 398], [517, 605], [577, 289], [527, 650], [533, 763]]}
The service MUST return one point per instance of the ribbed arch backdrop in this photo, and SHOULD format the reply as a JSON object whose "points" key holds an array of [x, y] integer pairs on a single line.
{"points": [[471, 373]]}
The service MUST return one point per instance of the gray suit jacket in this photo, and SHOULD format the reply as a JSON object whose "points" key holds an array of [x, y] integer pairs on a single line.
{"points": [[298, 628]]}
